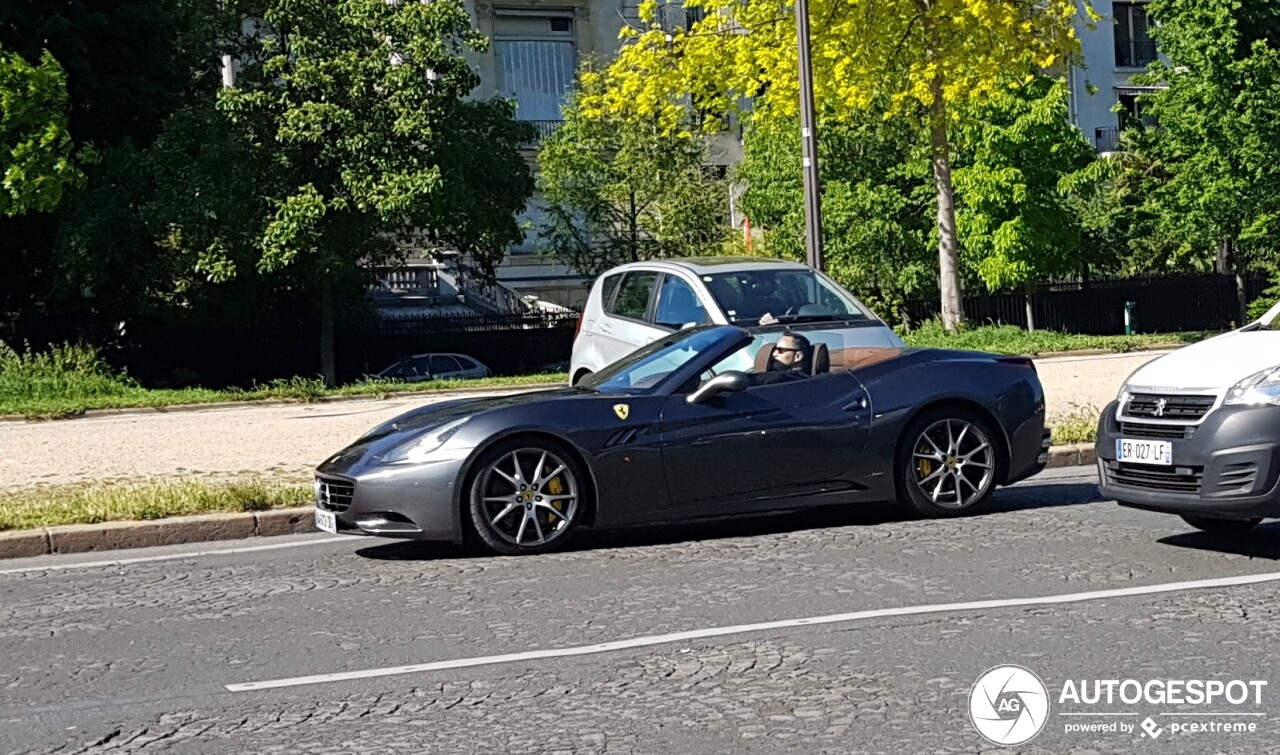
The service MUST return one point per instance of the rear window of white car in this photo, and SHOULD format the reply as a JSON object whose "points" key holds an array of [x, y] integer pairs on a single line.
{"points": [[632, 300]]}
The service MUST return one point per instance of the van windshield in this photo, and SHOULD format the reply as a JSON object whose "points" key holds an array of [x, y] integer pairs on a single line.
{"points": [[785, 295]]}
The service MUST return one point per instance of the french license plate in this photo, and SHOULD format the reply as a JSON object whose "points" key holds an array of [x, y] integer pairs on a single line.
{"points": [[325, 520], [1145, 451]]}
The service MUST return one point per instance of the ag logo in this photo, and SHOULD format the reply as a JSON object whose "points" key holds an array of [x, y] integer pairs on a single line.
{"points": [[622, 410], [1009, 705]]}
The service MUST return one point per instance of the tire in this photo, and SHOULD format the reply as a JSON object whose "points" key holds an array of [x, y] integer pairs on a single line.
{"points": [[929, 469], [526, 496], [1221, 526], [578, 378]]}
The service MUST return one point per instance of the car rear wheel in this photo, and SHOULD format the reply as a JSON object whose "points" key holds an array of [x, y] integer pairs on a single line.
{"points": [[947, 464], [1221, 526], [526, 497]]}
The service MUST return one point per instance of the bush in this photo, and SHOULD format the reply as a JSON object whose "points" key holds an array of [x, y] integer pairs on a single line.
{"points": [[65, 371]]}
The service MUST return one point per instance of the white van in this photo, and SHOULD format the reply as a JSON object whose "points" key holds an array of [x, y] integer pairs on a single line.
{"points": [[634, 304], [1197, 431]]}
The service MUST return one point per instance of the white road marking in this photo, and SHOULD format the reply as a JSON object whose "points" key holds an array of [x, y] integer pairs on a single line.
{"points": [[702, 634], [176, 556]]}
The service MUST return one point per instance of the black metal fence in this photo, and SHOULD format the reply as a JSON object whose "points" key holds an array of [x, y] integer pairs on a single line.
{"points": [[1160, 305]]}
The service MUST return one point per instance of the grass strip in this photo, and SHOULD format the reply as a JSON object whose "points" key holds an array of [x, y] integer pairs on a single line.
{"points": [[1009, 339], [75, 399], [96, 503]]}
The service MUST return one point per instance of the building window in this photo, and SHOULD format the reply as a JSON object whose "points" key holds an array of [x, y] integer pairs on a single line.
{"points": [[536, 62], [1134, 47]]}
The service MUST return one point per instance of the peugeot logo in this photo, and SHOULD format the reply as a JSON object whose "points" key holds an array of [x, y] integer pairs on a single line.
{"points": [[1161, 403]]}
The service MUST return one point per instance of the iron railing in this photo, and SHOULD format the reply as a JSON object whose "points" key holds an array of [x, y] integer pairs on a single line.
{"points": [[1135, 53]]}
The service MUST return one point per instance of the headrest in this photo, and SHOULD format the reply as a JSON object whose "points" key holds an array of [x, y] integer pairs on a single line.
{"points": [[821, 359], [762, 358]]}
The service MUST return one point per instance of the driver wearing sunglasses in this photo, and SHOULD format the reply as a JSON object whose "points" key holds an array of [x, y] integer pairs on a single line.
{"points": [[789, 360]]}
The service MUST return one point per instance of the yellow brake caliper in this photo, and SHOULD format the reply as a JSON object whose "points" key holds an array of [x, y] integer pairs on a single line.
{"points": [[925, 466], [554, 487]]}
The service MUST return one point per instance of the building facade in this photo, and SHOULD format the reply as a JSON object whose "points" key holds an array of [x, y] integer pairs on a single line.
{"points": [[1114, 50]]}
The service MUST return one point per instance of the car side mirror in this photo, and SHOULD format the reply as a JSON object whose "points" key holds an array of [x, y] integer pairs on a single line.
{"points": [[725, 382]]}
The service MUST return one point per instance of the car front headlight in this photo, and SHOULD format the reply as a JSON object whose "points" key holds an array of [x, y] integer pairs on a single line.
{"points": [[416, 450], [1256, 390]]}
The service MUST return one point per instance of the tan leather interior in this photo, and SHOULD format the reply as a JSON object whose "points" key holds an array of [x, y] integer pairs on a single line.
{"points": [[858, 358]]}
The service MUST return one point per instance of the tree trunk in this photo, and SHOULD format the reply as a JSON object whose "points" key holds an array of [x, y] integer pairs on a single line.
{"points": [[327, 369], [1031, 310], [1242, 292], [948, 256], [1229, 262], [635, 230]]}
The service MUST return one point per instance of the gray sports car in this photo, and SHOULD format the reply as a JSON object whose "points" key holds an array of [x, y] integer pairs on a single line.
{"points": [[701, 424]]}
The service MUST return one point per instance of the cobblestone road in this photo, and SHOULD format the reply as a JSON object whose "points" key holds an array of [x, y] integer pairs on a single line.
{"points": [[135, 658]]}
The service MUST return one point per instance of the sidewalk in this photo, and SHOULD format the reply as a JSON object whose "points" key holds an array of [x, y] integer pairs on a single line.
{"points": [[288, 441]]}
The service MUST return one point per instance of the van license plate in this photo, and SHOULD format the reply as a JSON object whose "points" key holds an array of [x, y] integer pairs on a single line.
{"points": [[1145, 451]]}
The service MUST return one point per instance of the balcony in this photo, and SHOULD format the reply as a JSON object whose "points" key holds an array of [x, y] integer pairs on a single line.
{"points": [[1135, 53], [1107, 139], [544, 128]]}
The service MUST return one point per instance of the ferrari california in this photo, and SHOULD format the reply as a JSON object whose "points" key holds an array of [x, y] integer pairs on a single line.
{"points": [[708, 422]]}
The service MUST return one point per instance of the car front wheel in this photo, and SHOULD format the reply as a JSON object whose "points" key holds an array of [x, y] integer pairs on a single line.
{"points": [[526, 497], [947, 464]]}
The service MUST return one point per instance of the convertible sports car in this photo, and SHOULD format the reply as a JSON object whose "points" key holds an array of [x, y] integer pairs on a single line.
{"points": [[689, 428]]}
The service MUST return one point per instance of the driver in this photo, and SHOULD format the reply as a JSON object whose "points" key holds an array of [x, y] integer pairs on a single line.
{"points": [[791, 357]]}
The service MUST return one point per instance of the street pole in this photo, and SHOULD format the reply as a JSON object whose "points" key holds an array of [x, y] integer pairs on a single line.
{"points": [[809, 144]]}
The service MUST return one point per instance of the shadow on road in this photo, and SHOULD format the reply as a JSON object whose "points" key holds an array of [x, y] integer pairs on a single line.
{"points": [[1261, 542], [1022, 497]]}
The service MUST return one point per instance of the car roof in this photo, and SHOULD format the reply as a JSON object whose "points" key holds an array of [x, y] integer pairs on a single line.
{"points": [[708, 265]]}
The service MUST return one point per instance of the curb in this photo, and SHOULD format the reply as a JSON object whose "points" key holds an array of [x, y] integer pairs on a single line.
{"points": [[274, 403], [84, 538]]}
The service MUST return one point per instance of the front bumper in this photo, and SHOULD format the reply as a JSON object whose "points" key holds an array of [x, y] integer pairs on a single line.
{"points": [[1227, 466], [416, 501]]}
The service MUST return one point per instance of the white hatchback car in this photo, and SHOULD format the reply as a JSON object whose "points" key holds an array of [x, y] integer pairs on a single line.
{"points": [[633, 304]]}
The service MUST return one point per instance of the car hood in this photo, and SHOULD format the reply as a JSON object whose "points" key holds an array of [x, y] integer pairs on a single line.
{"points": [[1217, 363], [399, 429], [447, 411]]}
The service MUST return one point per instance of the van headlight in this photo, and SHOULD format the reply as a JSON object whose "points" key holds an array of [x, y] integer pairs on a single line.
{"points": [[416, 450], [1256, 390]]}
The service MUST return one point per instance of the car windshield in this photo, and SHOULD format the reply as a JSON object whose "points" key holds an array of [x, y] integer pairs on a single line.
{"points": [[785, 295], [644, 369]]}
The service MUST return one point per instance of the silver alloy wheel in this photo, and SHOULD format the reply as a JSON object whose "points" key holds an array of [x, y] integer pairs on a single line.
{"points": [[954, 463], [530, 497]]}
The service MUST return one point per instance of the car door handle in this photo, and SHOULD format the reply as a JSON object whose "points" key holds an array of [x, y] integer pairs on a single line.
{"points": [[857, 405], [604, 328]]}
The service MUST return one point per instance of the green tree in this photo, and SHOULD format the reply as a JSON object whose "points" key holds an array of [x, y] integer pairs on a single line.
{"points": [[875, 200], [358, 107], [38, 163], [927, 59], [622, 190], [1016, 159], [1219, 133]]}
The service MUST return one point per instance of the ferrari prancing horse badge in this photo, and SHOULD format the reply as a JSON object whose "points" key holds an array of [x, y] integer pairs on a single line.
{"points": [[622, 410]]}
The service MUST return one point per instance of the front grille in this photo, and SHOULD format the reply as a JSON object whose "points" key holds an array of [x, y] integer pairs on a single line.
{"points": [[334, 495], [1168, 480], [1169, 407], [1167, 432]]}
